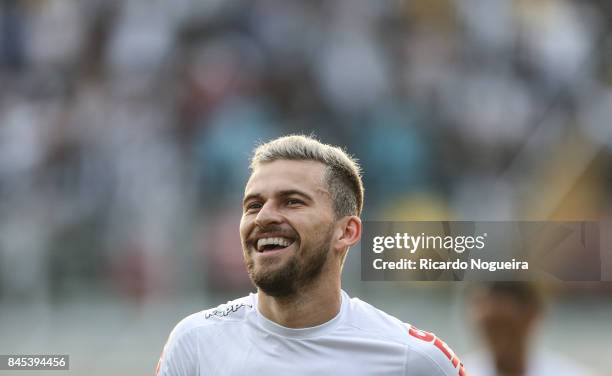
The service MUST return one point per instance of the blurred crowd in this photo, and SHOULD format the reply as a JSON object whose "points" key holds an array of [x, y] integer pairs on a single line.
{"points": [[126, 126]]}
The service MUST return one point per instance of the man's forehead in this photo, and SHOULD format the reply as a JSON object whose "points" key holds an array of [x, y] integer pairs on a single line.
{"points": [[289, 174]]}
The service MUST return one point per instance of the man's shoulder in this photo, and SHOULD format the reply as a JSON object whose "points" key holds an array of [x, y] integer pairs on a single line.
{"points": [[232, 311], [180, 354], [429, 348], [425, 349], [367, 318]]}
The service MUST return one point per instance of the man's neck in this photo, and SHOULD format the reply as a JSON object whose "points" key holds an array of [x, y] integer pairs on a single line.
{"points": [[311, 306]]}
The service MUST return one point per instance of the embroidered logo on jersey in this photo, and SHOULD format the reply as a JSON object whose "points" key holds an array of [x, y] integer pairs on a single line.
{"points": [[229, 309], [431, 338]]}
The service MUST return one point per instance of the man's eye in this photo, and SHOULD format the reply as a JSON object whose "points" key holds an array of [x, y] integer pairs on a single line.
{"points": [[294, 201], [253, 206]]}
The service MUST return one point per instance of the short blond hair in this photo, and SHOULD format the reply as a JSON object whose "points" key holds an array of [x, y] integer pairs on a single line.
{"points": [[343, 174]]}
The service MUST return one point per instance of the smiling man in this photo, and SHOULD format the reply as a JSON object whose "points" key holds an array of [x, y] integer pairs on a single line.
{"points": [[300, 216]]}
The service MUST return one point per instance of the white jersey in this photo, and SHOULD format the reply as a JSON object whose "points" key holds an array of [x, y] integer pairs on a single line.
{"points": [[235, 339]]}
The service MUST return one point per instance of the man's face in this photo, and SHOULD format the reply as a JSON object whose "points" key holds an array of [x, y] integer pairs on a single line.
{"points": [[287, 225]]}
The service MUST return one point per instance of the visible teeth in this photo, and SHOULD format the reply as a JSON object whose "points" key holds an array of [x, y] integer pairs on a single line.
{"points": [[275, 241]]}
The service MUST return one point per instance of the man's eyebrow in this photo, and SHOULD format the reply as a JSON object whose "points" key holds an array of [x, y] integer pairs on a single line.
{"points": [[291, 192], [284, 193]]}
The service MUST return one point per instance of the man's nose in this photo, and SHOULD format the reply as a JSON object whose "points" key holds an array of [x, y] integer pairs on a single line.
{"points": [[268, 214]]}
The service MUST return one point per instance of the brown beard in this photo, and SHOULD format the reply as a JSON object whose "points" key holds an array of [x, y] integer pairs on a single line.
{"points": [[290, 278]]}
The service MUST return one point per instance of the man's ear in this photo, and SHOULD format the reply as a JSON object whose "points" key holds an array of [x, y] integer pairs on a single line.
{"points": [[349, 232]]}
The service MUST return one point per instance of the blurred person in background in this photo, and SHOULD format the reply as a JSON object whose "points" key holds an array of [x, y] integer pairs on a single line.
{"points": [[507, 316], [301, 212]]}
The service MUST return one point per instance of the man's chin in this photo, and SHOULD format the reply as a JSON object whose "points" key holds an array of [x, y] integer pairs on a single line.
{"points": [[277, 282], [275, 288], [278, 291]]}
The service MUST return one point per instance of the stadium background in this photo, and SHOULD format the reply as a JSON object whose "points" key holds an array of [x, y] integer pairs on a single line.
{"points": [[125, 128]]}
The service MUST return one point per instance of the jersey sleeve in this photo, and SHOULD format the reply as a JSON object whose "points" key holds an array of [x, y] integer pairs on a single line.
{"points": [[430, 356], [179, 357]]}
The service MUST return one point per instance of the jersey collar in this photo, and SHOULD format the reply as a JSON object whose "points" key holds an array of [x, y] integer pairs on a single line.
{"points": [[315, 331]]}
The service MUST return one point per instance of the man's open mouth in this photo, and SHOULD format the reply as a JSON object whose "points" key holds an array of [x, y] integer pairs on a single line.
{"points": [[272, 244]]}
